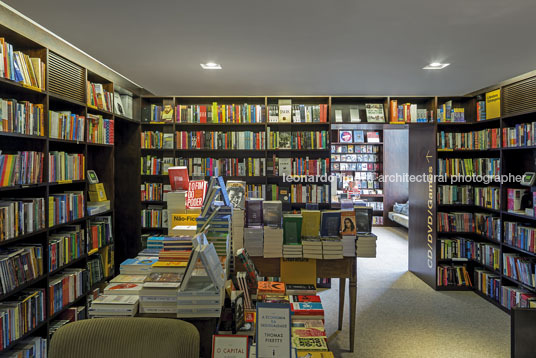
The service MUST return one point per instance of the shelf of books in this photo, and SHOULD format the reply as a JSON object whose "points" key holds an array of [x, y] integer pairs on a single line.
{"points": [[56, 187], [485, 214]]}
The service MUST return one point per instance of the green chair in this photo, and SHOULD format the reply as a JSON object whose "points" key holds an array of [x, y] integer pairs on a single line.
{"points": [[130, 337]]}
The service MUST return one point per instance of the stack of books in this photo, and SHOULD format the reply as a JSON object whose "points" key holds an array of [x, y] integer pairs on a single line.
{"points": [[155, 243], [159, 292], [312, 247], [237, 229], [348, 245], [123, 288], [137, 265], [273, 242], [308, 331], [332, 248], [365, 245], [114, 305], [270, 291], [253, 240], [293, 251], [175, 249]]}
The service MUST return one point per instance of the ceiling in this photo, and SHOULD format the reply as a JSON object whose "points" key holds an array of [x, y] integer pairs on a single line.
{"points": [[276, 47]]}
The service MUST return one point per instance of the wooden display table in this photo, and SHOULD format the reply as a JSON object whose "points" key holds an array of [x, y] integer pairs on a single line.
{"points": [[343, 269]]}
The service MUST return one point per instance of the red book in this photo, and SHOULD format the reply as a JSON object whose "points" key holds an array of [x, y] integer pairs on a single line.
{"points": [[196, 194], [203, 114], [307, 308], [178, 178], [305, 298]]}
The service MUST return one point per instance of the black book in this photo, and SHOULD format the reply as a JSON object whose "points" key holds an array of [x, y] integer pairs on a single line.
{"points": [[254, 212]]}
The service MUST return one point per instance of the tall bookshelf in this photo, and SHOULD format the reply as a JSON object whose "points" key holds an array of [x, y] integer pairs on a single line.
{"points": [[65, 90], [425, 242]]}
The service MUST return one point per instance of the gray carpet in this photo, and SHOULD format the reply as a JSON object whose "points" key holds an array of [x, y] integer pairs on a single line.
{"points": [[398, 315]]}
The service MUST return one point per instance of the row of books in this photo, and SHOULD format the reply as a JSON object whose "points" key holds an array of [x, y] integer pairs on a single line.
{"points": [[95, 267], [18, 66], [298, 140], [408, 113], [221, 113], [66, 125], [65, 207], [100, 130], [297, 113], [486, 197], [152, 165], [225, 166], [377, 220], [66, 287], [153, 191], [469, 166], [453, 275], [519, 235], [21, 169], [99, 233], [21, 216], [357, 167], [462, 248], [520, 268], [156, 140], [448, 113], [220, 140], [365, 149], [474, 140], [19, 265], [21, 117], [508, 296], [299, 193], [20, 315], [98, 97], [65, 166], [153, 217], [519, 136], [30, 347], [297, 166], [480, 223], [65, 246]]}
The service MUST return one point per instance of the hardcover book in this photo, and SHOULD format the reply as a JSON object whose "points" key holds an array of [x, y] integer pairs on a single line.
{"points": [[348, 222], [236, 190], [254, 212], [272, 213], [375, 113], [285, 111], [292, 224], [178, 178], [331, 223]]}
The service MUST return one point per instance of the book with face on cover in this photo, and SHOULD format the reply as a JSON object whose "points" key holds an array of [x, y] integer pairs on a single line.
{"points": [[236, 190]]}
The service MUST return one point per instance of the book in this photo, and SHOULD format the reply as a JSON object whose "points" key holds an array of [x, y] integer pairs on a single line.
{"points": [[272, 213], [304, 298], [300, 289], [285, 111], [375, 113], [311, 223], [270, 288], [330, 223], [373, 137], [309, 343], [236, 190], [123, 289], [178, 178], [124, 278], [196, 194], [292, 228], [345, 136], [354, 115], [359, 136], [164, 280], [254, 212], [348, 222]]}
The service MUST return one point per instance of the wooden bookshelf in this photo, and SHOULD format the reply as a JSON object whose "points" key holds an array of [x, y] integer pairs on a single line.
{"points": [[65, 91]]}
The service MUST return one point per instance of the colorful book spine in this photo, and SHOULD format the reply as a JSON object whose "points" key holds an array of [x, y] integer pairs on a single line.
{"points": [[453, 275], [21, 117], [65, 288], [455, 195], [522, 135], [220, 140], [521, 236], [298, 140], [22, 168], [152, 192], [475, 140], [19, 67], [99, 97], [488, 283], [64, 166], [221, 113], [65, 207], [455, 222], [520, 268], [20, 265], [66, 125], [99, 233], [65, 247], [152, 165], [96, 269], [224, 166], [152, 217], [469, 166], [100, 130], [20, 217]]}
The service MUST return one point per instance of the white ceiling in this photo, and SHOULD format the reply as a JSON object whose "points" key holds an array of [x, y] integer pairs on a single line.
{"points": [[275, 47]]}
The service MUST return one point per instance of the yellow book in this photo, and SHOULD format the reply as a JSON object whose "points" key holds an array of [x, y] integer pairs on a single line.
{"points": [[170, 264], [493, 104], [50, 211], [298, 271], [311, 223]]}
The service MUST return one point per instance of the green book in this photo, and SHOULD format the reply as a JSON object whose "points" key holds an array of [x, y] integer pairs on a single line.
{"points": [[292, 226]]}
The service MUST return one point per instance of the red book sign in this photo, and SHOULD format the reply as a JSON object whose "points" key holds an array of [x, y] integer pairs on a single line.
{"points": [[196, 194]]}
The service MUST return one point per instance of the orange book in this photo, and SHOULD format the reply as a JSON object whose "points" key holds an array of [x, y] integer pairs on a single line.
{"points": [[393, 111], [270, 288]]}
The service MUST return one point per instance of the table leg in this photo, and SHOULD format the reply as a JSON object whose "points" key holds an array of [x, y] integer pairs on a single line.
{"points": [[353, 304], [342, 291]]}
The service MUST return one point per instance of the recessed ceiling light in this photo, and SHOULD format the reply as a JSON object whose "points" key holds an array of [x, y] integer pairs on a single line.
{"points": [[211, 66], [436, 66]]}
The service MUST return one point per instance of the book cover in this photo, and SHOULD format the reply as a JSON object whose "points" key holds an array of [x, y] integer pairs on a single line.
{"points": [[308, 332], [271, 288], [330, 223], [373, 137], [305, 298], [178, 178], [375, 113], [354, 115], [348, 223], [285, 140], [309, 343], [272, 212], [254, 212], [359, 137], [285, 113], [292, 224], [493, 104], [345, 136], [307, 308], [167, 114], [284, 166], [236, 190], [301, 289], [196, 193]]}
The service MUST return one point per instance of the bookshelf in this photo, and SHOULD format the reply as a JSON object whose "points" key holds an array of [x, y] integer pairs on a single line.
{"points": [[64, 91], [434, 141]]}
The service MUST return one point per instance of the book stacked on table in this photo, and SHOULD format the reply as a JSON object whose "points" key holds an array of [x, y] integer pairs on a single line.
{"points": [[114, 305], [155, 242], [292, 228], [159, 293], [253, 240], [273, 242], [273, 292], [348, 245], [176, 249], [312, 247], [308, 331], [293, 251], [365, 245], [137, 265], [332, 248], [123, 288]]}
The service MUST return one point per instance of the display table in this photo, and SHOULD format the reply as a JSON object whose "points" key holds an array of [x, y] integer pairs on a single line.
{"points": [[343, 269]]}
